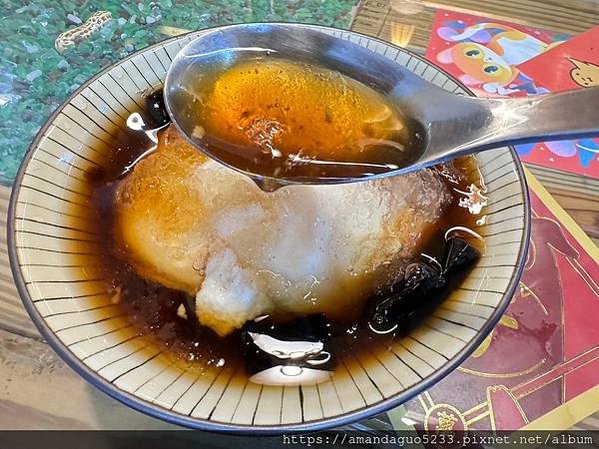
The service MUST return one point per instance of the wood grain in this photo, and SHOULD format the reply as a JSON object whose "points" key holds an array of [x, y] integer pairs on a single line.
{"points": [[13, 317], [38, 391]]}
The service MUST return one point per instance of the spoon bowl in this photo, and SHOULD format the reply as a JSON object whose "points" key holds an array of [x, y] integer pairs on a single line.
{"points": [[445, 125]]}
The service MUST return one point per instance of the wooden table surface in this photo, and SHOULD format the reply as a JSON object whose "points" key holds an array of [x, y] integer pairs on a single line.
{"points": [[38, 391]]}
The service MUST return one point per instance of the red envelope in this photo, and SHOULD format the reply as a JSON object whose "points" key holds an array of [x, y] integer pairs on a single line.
{"points": [[571, 65]]}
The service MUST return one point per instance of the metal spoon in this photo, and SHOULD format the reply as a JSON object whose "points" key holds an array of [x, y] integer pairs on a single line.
{"points": [[454, 125]]}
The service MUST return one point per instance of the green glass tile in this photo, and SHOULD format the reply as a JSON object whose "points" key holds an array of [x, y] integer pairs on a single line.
{"points": [[35, 78]]}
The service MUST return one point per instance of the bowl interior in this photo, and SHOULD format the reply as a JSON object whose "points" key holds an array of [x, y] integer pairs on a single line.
{"points": [[53, 256]]}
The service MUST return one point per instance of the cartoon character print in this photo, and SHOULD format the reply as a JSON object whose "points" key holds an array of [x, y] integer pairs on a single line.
{"points": [[488, 53], [585, 74], [587, 149]]}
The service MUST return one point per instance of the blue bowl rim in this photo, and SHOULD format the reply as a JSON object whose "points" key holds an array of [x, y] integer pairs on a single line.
{"points": [[156, 411]]}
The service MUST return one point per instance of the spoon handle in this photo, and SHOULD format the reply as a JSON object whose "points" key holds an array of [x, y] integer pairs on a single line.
{"points": [[567, 115], [477, 124]]}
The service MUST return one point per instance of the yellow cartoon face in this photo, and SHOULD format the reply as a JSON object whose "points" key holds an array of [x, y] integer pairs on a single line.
{"points": [[585, 74], [478, 62]]}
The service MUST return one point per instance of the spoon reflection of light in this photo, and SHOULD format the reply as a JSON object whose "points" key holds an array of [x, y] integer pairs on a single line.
{"points": [[286, 349], [136, 122], [298, 353], [231, 52], [458, 229], [297, 159], [290, 375]]}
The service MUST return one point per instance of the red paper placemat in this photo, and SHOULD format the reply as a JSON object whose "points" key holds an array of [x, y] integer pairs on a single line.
{"points": [[538, 368]]}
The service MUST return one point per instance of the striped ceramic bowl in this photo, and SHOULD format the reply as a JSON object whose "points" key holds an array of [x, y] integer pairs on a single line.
{"points": [[52, 255]]}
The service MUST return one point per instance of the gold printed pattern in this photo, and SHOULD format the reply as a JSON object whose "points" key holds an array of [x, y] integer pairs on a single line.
{"points": [[446, 421]]}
